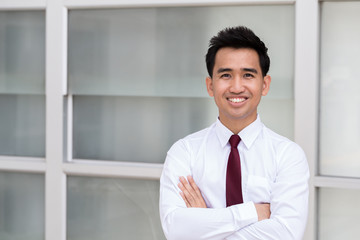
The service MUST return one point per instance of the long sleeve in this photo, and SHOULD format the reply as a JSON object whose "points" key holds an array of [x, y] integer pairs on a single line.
{"points": [[289, 201], [180, 222]]}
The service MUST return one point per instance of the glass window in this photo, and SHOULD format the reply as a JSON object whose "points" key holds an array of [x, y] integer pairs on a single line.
{"points": [[22, 128], [22, 83], [109, 208], [22, 206], [135, 129], [138, 75], [338, 215], [340, 87]]}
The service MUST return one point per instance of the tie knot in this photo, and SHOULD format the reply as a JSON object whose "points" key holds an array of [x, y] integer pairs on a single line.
{"points": [[234, 140]]}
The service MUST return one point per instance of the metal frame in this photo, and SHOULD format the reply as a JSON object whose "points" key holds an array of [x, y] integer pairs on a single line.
{"points": [[22, 164], [56, 79], [74, 4], [22, 5], [307, 95]]}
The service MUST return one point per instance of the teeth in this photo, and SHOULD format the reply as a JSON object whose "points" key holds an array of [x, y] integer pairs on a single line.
{"points": [[236, 100]]}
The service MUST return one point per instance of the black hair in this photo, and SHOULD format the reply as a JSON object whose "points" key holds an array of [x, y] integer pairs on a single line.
{"points": [[237, 37]]}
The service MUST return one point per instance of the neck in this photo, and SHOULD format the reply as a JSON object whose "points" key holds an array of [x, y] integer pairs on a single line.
{"points": [[237, 125]]}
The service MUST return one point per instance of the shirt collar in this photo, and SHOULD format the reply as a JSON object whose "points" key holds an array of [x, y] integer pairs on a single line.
{"points": [[247, 135]]}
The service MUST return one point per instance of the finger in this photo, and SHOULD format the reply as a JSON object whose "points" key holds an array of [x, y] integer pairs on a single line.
{"points": [[185, 200], [183, 189], [188, 187], [181, 186], [193, 185], [199, 198], [183, 180], [188, 196]]}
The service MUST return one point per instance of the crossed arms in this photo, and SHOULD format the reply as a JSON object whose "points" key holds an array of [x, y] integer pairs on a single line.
{"points": [[192, 197]]}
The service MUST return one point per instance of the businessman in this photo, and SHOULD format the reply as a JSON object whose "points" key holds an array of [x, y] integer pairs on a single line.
{"points": [[236, 179]]}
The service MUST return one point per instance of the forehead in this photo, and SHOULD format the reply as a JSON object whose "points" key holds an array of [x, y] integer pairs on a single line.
{"points": [[236, 58]]}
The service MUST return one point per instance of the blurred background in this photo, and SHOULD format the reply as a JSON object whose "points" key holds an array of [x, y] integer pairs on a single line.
{"points": [[93, 94]]}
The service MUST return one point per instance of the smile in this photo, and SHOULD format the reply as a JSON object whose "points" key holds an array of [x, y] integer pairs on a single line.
{"points": [[236, 100]]}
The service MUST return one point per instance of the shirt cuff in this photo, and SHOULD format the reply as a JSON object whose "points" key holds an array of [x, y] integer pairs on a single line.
{"points": [[244, 214]]}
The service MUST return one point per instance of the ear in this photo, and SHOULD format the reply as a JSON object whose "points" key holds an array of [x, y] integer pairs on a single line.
{"points": [[209, 86], [266, 85]]}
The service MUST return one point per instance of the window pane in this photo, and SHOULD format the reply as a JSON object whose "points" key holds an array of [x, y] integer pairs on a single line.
{"points": [[112, 128], [338, 214], [109, 208], [22, 52], [22, 83], [22, 206], [138, 75], [340, 87], [22, 128], [278, 115]]}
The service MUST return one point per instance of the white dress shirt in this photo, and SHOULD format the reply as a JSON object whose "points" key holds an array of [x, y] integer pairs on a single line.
{"points": [[273, 169]]}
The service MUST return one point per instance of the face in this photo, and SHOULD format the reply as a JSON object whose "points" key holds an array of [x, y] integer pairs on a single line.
{"points": [[237, 86]]}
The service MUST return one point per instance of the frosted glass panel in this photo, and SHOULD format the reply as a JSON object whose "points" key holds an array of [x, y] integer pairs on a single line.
{"points": [[338, 214], [110, 128], [278, 115], [340, 87], [22, 206], [22, 52], [160, 51], [22, 83], [22, 125], [112, 209]]}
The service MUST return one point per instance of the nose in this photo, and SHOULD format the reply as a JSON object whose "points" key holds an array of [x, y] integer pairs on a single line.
{"points": [[237, 85]]}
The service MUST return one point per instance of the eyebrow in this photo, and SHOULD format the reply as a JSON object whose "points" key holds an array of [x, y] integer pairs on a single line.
{"points": [[221, 70], [253, 70]]}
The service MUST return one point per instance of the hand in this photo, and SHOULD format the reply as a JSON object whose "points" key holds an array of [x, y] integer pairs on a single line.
{"points": [[190, 193], [263, 211]]}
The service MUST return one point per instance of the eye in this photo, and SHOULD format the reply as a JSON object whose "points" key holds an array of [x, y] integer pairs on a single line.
{"points": [[248, 75], [225, 76]]}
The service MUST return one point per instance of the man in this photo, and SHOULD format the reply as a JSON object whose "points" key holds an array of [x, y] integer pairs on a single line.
{"points": [[236, 179]]}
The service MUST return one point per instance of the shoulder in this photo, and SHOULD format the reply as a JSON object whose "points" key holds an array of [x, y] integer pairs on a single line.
{"points": [[279, 142], [182, 152], [287, 151], [192, 141]]}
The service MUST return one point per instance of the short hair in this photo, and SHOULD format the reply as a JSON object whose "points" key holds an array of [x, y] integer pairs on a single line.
{"points": [[237, 37]]}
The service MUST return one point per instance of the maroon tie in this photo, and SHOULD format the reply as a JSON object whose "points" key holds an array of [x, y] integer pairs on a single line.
{"points": [[233, 174]]}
